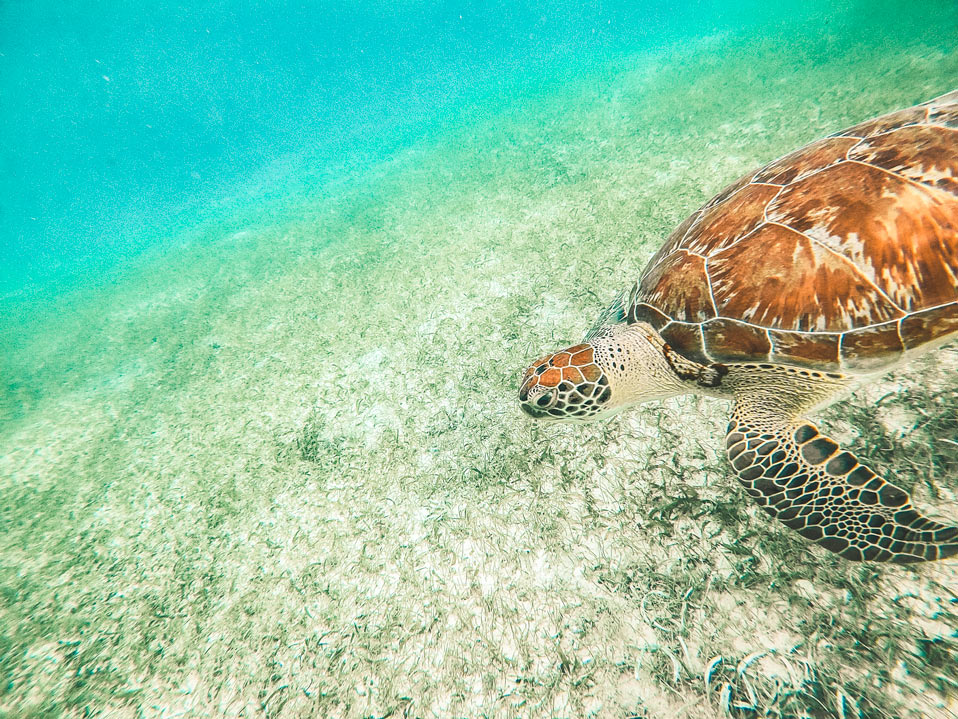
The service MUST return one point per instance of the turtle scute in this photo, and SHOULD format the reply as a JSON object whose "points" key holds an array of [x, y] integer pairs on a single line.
{"points": [[842, 255]]}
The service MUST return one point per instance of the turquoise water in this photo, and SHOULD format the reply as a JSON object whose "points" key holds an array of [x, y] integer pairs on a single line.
{"points": [[268, 276], [123, 126]]}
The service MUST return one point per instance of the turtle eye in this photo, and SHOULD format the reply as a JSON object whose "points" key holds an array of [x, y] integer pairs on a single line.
{"points": [[547, 399]]}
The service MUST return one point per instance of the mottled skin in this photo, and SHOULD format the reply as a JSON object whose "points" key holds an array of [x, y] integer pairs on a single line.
{"points": [[823, 269]]}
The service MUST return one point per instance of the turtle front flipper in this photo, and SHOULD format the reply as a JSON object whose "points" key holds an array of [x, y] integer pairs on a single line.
{"points": [[805, 480]]}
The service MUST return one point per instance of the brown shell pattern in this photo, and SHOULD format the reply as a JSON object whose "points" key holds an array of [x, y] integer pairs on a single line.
{"points": [[841, 255]]}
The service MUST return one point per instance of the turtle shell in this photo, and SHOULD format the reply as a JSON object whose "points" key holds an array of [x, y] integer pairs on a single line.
{"points": [[841, 255]]}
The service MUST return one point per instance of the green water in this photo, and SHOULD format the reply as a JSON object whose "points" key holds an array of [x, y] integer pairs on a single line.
{"points": [[273, 466]]}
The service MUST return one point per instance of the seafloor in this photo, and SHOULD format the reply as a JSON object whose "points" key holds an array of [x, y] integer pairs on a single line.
{"points": [[280, 471]]}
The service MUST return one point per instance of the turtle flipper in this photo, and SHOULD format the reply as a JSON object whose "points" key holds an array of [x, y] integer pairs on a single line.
{"points": [[613, 315], [805, 480]]}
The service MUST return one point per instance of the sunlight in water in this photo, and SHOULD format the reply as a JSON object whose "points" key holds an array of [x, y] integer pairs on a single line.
{"points": [[270, 275]]}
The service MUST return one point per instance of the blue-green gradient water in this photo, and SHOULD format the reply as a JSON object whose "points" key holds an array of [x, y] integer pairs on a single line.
{"points": [[269, 272], [122, 124]]}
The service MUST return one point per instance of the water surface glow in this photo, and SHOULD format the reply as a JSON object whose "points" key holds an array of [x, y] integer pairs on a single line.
{"points": [[259, 449]]}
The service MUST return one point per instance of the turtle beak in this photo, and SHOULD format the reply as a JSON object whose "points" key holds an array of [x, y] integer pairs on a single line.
{"points": [[533, 412]]}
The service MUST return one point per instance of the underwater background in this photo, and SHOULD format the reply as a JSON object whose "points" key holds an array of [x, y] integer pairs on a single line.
{"points": [[268, 275]]}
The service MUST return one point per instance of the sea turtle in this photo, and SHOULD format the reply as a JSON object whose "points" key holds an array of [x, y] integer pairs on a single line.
{"points": [[824, 268]]}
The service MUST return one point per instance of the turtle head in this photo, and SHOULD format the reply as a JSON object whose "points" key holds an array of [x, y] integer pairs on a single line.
{"points": [[567, 384], [621, 366]]}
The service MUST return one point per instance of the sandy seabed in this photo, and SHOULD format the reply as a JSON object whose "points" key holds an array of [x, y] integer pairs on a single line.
{"points": [[281, 471]]}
